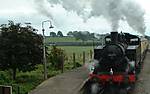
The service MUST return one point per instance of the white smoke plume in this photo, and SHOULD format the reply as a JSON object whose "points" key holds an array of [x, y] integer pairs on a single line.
{"points": [[112, 10], [134, 16], [109, 9], [115, 10], [44, 7]]}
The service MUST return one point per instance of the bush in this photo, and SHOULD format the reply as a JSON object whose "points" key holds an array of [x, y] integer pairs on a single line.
{"points": [[4, 78], [56, 57]]}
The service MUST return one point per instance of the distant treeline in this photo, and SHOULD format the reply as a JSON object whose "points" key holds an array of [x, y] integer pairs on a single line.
{"points": [[79, 35]]}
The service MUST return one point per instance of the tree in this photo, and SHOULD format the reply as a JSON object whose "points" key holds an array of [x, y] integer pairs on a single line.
{"points": [[92, 36], [81, 35], [70, 34], [59, 34], [76, 34], [84, 35], [20, 48], [53, 34]]}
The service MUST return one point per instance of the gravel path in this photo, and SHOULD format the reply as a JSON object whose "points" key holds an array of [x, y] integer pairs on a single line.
{"points": [[143, 84]]}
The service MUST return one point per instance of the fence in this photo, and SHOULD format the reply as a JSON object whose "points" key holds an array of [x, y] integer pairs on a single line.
{"points": [[76, 60]]}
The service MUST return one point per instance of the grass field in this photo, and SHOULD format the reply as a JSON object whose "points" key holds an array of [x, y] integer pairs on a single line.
{"points": [[69, 50], [64, 39], [61, 39]]}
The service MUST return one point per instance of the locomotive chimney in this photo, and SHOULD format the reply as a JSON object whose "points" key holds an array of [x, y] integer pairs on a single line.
{"points": [[114, 37]]}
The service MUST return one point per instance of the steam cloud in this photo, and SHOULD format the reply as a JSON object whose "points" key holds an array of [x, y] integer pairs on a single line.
{"points": [[44, 7], [112, 10], [116, 10]]}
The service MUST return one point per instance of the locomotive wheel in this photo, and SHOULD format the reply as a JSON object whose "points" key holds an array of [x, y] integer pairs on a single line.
{"points": [[123, 91], [110, 90], [92, 88], [96, 88]]}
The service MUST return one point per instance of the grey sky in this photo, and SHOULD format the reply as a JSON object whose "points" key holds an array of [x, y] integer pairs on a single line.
{"points": [[25, 11]]}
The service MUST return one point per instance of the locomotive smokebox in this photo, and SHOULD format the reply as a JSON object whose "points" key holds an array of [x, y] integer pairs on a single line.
{"points": [[114, 37]]}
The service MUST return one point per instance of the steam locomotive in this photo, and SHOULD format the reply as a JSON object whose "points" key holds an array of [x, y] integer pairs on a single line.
{"points": [[118, 64]]}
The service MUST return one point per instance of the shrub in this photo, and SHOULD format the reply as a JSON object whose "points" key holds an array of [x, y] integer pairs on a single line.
{"points": [[56, 57]]}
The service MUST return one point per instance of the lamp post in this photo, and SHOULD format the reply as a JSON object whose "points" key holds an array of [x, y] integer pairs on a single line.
{"points": [[44, 48]]}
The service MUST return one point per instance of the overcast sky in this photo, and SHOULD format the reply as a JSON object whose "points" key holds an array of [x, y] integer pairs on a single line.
{"points": [[25, 11]]}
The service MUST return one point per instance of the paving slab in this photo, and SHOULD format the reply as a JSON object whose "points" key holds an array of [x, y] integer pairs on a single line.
{"points": [[66, 83]]}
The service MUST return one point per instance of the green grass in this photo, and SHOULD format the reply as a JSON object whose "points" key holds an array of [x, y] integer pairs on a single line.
{"points": [[75, 49], [25, 81], [64, 39], [61, 39]]}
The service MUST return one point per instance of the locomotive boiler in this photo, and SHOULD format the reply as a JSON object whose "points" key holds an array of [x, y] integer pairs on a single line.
{"points": [[118, 64]]}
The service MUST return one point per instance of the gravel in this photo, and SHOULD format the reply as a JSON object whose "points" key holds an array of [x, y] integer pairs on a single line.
{"points": [[143, 83]]}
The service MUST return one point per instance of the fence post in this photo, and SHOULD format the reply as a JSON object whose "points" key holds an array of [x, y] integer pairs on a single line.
{"points": [[83, 57], [62, 64], [18, 90], [74, 60], [5, 89], [90, 54]]}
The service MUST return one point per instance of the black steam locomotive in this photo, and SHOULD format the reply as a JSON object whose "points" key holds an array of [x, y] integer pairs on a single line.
{"points": [[118, 64]]}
